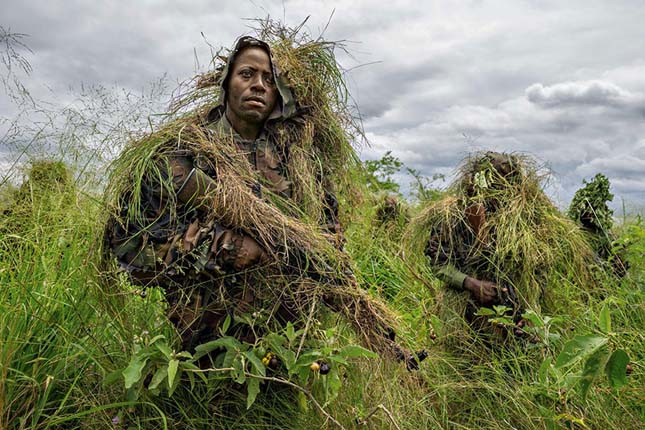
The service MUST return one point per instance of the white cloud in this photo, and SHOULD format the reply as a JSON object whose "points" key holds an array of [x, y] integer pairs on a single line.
{"points": [[586, 93]]}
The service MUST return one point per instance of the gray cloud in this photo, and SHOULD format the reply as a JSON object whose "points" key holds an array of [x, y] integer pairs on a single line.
{"points": [[590, 93], [561, 80]]}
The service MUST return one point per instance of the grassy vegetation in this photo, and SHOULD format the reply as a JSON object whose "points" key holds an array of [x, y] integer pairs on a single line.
{"points": [[83, 348], [69, 328]]}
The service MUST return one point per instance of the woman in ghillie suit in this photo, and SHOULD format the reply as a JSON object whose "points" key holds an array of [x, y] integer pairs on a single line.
{"points": [[497, 239], [229, 221]]}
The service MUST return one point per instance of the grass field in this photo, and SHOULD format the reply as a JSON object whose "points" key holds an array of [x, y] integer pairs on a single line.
{"points": [[74, 333]]}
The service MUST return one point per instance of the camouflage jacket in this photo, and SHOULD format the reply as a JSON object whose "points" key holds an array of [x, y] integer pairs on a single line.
{"points": [[456, 246], [178, 240]]}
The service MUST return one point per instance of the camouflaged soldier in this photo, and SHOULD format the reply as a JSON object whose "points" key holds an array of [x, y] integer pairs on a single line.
{"points": [[181, 248], [459, 249]]}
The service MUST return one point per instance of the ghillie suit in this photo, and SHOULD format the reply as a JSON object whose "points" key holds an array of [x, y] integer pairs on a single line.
{"points": [[391, 211], [589, 209], [496, 224], [47, 183], [247, 228]]}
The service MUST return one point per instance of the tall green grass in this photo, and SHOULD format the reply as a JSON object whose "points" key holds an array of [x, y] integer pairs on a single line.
{"points": [[69, 326]]}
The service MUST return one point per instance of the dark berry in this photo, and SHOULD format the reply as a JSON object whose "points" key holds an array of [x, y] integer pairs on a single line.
{"points": [[274, 363], [324, 368]]}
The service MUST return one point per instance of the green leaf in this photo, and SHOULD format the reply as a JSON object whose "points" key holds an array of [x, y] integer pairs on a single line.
{"points": [[616, 368], [290, 332], [112, 377], [592, 368], [288, 358], [159, 376], [352, 351], [543, 373], [334, 385], [502, 320], [276, 340], [303, 374], [239, 375], [255, 362], [191, 379], [253, 388], [578, 348], [501, 309], [338, 359], [225, 325], [605, 319], [173, 387], [173, 365], [132, 373], [229, 358], [302, 401], [533, 318], [485, 312], [156, 338], [308, 358], [227, 342], [164, 348], [131, 395]]}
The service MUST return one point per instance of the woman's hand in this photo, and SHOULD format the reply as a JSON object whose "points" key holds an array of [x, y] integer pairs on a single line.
{"points": [[484, 292]]}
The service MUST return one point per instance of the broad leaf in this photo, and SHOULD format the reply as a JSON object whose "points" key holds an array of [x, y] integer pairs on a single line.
{"points": [[616, 368], [225, 325], [112, 377], [156, 338], [533, 318], [253, 388], [159, 376], [485, 312], [592, 368], [308, 358], [605, 319], [173, 365], [255, 362], [543, 373], [227, 342], [164, 348], [578, 348], [290, 332], [334, 385], [132, 373], [173, 387]]}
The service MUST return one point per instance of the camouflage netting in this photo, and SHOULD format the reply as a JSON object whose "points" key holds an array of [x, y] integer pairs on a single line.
{"points": [[524, 241], [307, 269]]}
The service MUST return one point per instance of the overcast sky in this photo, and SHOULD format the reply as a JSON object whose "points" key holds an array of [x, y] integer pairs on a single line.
{"points": [[564, 81]]}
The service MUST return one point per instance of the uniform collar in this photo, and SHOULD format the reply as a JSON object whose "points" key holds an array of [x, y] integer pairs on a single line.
{"points": [[224, 126]]}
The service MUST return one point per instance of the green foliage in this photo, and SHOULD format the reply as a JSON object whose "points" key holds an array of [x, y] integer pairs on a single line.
{"points": [[155, 368], [632, 244], [589, 205], [379, 173], [585, 357], [422, 189]]}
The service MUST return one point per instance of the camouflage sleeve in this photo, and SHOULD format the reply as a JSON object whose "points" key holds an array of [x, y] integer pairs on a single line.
{"points": [[331, 221], [445, 254], [230, 250]]}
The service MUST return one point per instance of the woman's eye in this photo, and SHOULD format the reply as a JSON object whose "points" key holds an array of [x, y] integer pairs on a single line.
{"points": [[269, 80], [246, 73]]}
